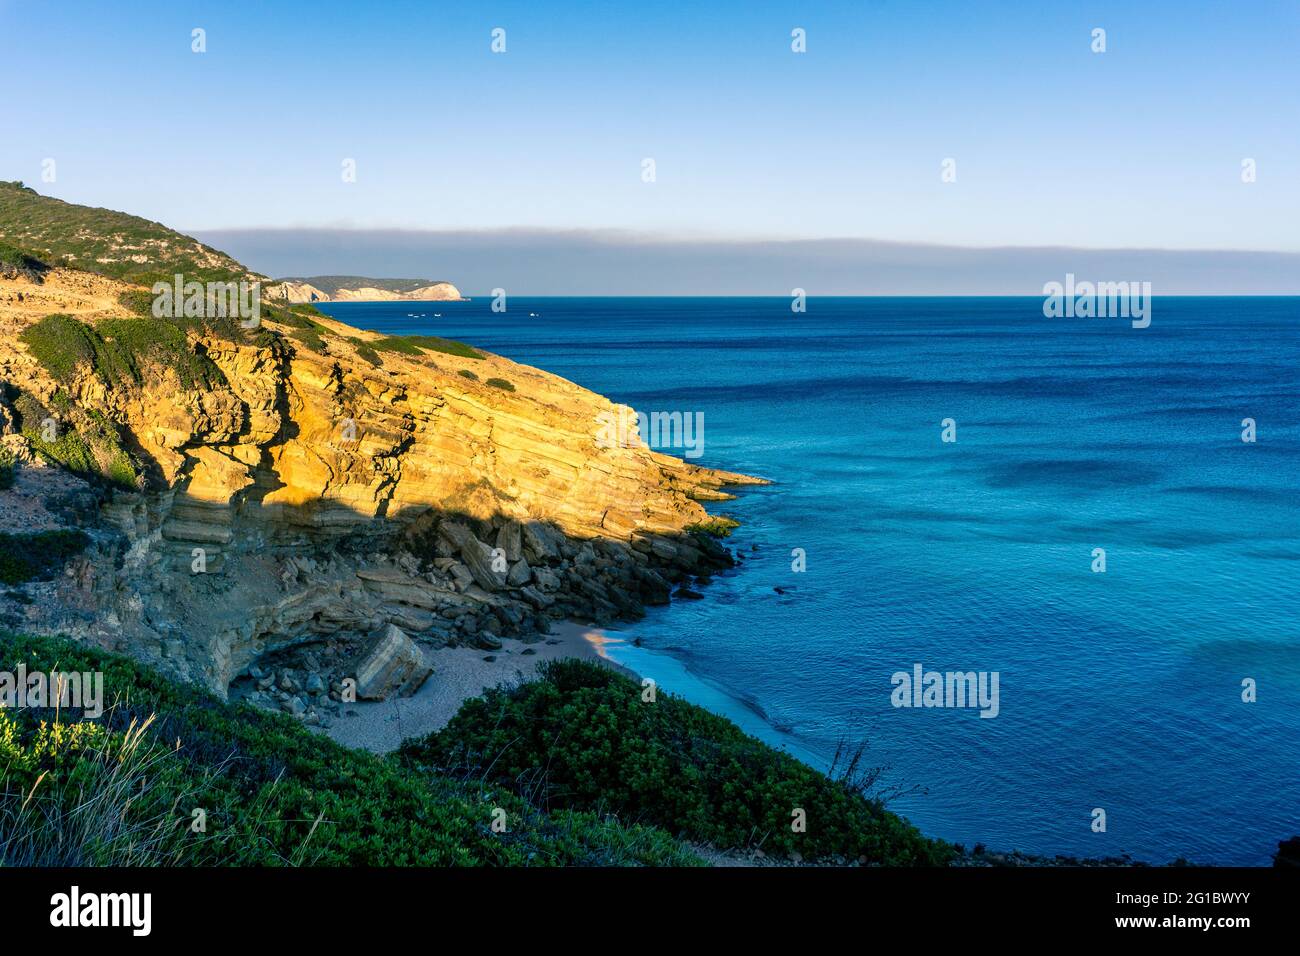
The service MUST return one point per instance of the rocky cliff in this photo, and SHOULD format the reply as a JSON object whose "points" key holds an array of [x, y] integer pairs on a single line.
{"points": [[317, 482], [357, 289]]}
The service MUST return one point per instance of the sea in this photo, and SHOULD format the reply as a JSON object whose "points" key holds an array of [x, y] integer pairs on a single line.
{"points": [[1102, 522]]}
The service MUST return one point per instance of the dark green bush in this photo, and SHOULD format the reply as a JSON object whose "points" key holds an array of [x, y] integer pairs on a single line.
{"points": [[87, 443], [274, 792], [501, 383], [583, 738], [466, 373], [310, 338], [138, 302], [138, 341], [16, 263], [416, 345], [364, 351], [62, 344], [7, 467], [117, 350], [27, 557], [400, 344], [433, 343]]}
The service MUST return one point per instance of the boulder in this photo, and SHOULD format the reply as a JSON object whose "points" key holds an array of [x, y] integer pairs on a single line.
{"points": [[487, 641], [520, 574], [547, 580], [543, 541], [476, 555], [462, 575], [510, 540], [390, 663], [536, 598]]}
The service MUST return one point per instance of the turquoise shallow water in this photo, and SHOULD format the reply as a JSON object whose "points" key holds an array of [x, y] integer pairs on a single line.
{"points": [[1119, 690]]}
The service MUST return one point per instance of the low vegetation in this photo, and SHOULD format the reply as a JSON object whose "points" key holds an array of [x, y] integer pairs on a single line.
{"points": [[117, 351], [417, 345], [14, 264], [35, 556], [500, 383], [583, 738], [7, 468], [309, 337], [84, 441], [124, 790], [101, 240], [719, 526], [585, 771], [365, 352]]}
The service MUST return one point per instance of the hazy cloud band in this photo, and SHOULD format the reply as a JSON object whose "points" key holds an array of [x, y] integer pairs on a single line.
{"points": [[546, 262]]}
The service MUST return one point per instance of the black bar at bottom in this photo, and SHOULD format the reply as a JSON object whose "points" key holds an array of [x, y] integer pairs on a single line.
{"points": [[337, 906]]}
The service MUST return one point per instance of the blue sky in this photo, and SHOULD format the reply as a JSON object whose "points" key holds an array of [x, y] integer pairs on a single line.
{"points": [[1055, 145]]}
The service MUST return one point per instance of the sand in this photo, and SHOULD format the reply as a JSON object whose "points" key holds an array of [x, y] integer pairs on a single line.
{"points": [[459, 673]]}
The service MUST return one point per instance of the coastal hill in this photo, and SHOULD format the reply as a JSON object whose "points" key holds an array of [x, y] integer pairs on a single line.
{"points": [[112, 244], [329, 481], [216, 513], [233, 520], [363, 289]]}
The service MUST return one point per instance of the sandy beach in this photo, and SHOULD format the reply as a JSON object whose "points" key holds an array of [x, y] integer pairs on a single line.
{"points": [[460, 673]]}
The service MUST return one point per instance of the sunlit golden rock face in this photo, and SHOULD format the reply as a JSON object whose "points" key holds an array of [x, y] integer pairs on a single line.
{"points": [[282, 504]]}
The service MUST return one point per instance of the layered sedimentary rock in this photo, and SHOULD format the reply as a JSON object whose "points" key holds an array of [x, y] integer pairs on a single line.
{"points": [[390, 663], [316, 493], [295, 291]]}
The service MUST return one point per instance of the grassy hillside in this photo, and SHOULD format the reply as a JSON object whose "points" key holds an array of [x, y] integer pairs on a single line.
{"points": [[331, 284], [125, 790], [100, 240], [123, 352], [583, 737], [580, 782]]}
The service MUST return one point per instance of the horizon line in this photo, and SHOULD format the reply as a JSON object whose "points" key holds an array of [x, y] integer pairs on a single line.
{"points": [[653, 238]]}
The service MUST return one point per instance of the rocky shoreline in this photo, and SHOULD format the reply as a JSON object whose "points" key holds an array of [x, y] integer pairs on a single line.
{"points": [[457, 590], [322, 487]]}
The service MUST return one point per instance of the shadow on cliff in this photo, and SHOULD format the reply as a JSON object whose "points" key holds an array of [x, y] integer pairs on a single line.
{"points": [[433, 571]]}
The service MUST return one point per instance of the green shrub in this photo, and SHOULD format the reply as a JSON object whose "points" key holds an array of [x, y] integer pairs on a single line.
{"points": [[138, 302], [14, 263], [310, 338], [86, 442], [719, 526], [7, 467], [466, 373], [364, 351], [417, 345], [62, 344], [37, 555], [582, 738], [138, 341], [293, 317], [433, 343], [501, 383], [402, 345], [117, 350], [275, 793]]}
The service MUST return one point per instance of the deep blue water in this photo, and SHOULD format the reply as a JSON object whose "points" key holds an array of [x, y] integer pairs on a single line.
{"points": [[1119, 690]]}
